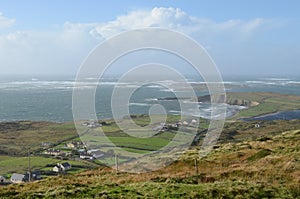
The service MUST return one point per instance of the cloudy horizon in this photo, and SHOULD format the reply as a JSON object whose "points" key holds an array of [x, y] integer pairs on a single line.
{"points": [[239, 45]]}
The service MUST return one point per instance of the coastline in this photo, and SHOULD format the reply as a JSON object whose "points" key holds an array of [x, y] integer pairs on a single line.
{"points": [[257, 103], [285, 115]]}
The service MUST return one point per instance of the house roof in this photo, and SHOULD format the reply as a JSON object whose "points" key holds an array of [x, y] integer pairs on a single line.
{"points": [[97, 154], [36, 172], [66, 164], [17, 177]]}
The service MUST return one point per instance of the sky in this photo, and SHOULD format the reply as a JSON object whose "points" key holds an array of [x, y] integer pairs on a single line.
{"points": [[53, 37]]}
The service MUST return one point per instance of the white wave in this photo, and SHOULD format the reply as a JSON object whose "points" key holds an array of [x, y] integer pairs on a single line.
{"points": [[255, 82], [276, 79], [202, 82], [264, 82], [293, 82], [138, 104], [191, 102], [154, 86], [151, 99], [176, 112], [273, 81], [166, 90]]}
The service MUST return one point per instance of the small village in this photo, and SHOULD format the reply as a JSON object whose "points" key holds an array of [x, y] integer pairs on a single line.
{"points": [[75, 150]]}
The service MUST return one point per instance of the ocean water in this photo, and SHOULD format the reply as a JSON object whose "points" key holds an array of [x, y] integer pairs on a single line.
{"points": [[281, 115], [50, 98]]}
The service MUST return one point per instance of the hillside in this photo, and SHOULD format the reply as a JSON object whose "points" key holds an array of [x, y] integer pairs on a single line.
{"points": [[267, 167], [252, 159]]}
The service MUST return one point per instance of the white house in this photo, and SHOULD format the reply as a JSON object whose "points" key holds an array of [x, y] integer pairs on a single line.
{"points": [[17, 178], [62, 167], [194, 122], [185, 123], [54, 152], [70, 145], [86, 157]]}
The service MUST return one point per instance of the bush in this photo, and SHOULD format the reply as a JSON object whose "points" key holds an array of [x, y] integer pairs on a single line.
{"points": [[260, 154]]}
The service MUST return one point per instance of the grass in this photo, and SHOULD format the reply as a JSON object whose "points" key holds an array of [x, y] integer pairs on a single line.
{"points": [[160, 190], [26, 134], [20, 164], [260, 154], [230, 171], [10, 164]]}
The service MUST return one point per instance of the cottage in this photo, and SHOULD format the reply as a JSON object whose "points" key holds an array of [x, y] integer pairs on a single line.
{"points": [[94, 125], [66, 166], [96, 153], [194, 122], [85, 124], [54, 152], [86, 157], [62, 167], [57, 169], [35, 175], [17, 178], [157, 128], [70, 145], [185, 123], [179, 123]]}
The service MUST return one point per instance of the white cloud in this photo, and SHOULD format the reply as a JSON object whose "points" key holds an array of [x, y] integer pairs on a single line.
{"points": [[157, 17], [6, 22], [56, 51], [176, 19], [61, 50], [252, 25]]}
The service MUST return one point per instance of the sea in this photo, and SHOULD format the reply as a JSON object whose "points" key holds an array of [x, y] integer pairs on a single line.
{"points": [[50, 98]]}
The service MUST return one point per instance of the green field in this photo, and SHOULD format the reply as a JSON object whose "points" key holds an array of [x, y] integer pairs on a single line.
{"points": [[11, 165], [267, 103]]}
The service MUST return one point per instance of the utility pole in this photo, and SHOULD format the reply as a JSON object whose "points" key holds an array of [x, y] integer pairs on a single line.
{"points": [[116, 162], [29, 169], [196, 166]]}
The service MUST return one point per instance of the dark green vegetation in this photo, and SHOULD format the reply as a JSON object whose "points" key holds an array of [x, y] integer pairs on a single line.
{"points": [[130, 143]]}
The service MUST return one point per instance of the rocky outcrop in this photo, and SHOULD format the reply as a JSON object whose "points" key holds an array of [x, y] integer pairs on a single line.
{"points": [[219, 99], [242, 102], [230, 101]]}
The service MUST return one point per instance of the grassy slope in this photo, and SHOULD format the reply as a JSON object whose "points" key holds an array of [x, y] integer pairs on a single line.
{"points": [[26, 134], [240, 170]]}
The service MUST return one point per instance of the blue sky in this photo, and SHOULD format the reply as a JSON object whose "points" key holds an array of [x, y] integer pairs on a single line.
{"points": [[243, 37]]}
